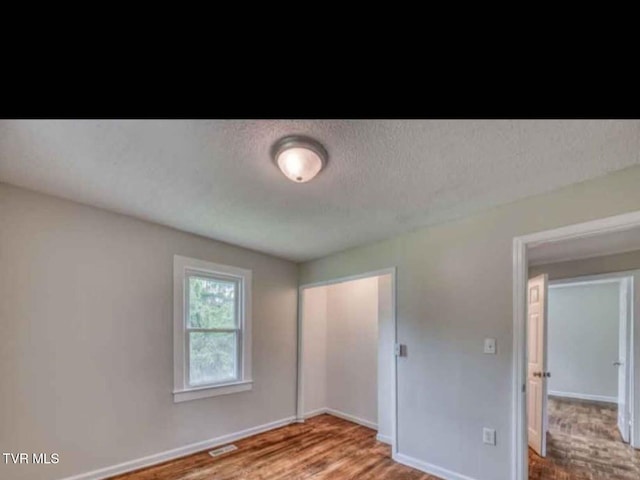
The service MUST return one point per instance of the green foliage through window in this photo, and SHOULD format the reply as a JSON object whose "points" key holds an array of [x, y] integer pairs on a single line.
{"points": [[212, 303], [212, 354], [213, 357]]}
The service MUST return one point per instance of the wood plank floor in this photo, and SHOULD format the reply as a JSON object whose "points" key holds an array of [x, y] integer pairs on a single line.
{"points": [[583, 443], [324, 447]]}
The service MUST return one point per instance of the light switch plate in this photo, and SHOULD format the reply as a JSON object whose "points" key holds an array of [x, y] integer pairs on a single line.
{"points": [[488, 436], [490, 346], [400, 350]]}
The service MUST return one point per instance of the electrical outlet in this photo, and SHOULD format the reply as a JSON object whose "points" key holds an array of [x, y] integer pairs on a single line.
{"points": [[488, 436]]}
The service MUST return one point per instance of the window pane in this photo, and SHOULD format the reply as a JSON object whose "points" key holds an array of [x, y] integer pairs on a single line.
{"points": [[212, 303], [212, 357]]}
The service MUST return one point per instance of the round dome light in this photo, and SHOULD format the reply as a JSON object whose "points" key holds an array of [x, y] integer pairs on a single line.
{"points": [[299, 158]]}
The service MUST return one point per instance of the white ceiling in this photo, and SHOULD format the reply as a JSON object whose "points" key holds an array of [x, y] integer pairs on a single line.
{"points": [[216, 178], [587, 247]]}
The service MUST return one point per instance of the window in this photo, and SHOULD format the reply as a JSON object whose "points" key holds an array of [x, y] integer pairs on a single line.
{"points": [[212, 329]]}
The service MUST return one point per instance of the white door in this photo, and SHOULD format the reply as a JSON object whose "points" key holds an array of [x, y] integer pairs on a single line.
{"points": [[621, 363], [537, 363]]}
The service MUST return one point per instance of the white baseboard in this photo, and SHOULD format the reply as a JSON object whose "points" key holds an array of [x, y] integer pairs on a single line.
{"points": [[342, 415], [178, 452], [351, 418], [429, 468], [315, 413], [157, 458], [583, 396]]}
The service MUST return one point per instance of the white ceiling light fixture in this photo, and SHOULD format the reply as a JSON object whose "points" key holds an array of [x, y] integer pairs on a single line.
{"points": [[299, 158]]}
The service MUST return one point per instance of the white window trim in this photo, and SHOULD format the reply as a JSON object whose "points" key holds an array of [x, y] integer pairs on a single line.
{"points": [[182, 391]]}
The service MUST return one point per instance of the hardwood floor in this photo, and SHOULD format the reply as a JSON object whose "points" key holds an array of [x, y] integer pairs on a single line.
{"points": [[583, 443], [323, 447]]}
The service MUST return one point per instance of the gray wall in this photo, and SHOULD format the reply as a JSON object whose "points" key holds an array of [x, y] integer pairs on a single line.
{"points": [[619, 262], [352, 348], [86, 356], [314, 328], [583, 330], [454, 289]]}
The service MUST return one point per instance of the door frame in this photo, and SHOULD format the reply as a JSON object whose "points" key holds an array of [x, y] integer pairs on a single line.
{"points": [[520, 463], [392, 271]]}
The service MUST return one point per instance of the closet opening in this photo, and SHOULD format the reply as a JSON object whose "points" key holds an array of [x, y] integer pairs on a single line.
{"points": [[346, 355]]}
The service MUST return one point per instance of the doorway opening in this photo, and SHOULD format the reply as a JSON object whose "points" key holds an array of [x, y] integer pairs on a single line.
{"points": [[346, 351], [575, 291], [579, 370]]}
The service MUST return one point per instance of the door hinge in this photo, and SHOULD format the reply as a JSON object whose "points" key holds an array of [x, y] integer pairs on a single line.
{"points": [[524, 388]]}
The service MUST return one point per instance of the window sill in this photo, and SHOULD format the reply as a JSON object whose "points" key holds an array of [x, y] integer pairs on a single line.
{"points": [[211, 391]]}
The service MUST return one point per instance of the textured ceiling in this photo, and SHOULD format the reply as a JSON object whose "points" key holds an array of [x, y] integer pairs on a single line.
{"points": [[586, 247], [215, 178]]}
